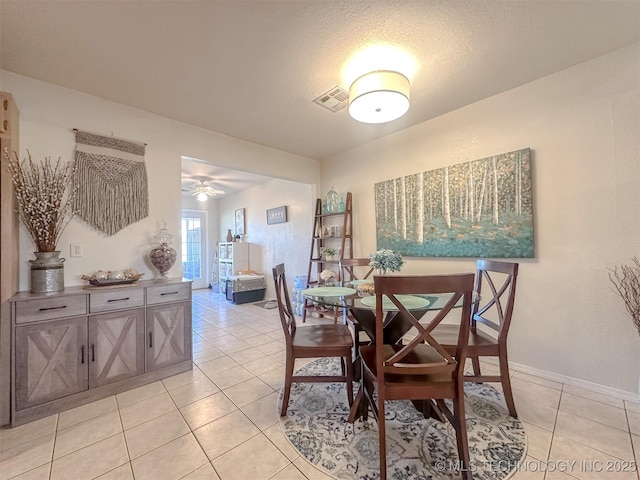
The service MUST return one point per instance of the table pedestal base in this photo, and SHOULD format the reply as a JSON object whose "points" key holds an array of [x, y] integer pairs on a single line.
{"points": [[360, 408]]}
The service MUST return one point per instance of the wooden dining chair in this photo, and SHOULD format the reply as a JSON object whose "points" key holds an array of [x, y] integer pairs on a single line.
{"points": [[354, 269], [422, 369], [496, 286], [310, 341]]}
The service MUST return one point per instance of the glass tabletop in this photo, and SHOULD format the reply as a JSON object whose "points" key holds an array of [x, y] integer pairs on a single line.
{"points": [[332, 292], [411, 302], [348, 297], [355, 283]]}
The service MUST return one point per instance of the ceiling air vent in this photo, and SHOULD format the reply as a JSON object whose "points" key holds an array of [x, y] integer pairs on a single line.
{"points": [[335, 99]]}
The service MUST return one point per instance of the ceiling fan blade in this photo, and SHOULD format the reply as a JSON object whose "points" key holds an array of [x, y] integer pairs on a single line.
{"points": [[213, 191], [202, 188]]}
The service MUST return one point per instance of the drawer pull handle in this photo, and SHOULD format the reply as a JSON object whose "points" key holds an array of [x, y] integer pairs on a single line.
{"points": [[118, 299], [82, 354], [169, 293], [150, 339], [93, 352], [53, 308]]}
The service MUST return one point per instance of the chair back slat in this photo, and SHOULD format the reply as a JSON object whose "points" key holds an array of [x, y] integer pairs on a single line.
{"points": [[403, 360], [496, 285], [287, 318], [347, 270]]}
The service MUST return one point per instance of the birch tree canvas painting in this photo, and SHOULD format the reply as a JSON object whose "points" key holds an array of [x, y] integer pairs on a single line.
{"points": [[481, 208]]}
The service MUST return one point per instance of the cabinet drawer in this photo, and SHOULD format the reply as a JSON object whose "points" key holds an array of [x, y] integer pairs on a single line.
{"points": [[115, 299], [49, 308], [168, 293]]}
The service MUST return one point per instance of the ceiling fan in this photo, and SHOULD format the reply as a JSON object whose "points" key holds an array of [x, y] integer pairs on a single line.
{"points": [[203, 191]]}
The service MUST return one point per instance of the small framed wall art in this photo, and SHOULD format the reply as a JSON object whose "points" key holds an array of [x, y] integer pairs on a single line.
{"points": [[240, 221], [277, 215]]}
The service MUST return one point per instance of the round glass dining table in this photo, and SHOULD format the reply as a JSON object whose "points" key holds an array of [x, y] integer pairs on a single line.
{"points": [[362, 310]]}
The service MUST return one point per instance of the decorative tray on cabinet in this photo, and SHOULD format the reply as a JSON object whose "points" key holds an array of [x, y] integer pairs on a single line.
{"points": [[105, 283]]}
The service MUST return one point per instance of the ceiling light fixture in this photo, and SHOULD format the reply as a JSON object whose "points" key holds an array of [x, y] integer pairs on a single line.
{"points": [[201, 191], [379, 97]]}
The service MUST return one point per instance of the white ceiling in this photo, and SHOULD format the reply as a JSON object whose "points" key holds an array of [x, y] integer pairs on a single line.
{"points": [[227, 180], [250, 69]]}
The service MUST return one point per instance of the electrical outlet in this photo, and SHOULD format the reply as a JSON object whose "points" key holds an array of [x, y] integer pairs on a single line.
{"points": [[76, 250]]}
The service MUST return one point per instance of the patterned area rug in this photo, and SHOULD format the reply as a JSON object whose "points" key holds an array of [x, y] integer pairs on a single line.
{"points": [[417, 448]]}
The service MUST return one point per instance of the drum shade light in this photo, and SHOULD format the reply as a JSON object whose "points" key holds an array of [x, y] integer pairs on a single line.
{"points": [[379, 97]]}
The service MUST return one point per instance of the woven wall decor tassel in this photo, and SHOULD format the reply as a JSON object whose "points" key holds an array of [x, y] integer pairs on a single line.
{"points": [[110, 182]]}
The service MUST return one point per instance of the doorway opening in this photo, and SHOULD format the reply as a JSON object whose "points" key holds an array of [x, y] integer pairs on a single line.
{"points": [[194, 247]]}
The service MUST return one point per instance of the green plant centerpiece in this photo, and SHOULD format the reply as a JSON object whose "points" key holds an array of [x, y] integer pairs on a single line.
{"points": [[385, 261], [626, 280]]}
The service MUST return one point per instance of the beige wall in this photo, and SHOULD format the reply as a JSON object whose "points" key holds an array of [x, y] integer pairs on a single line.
{"points": [[286, 243], [582, 126], [48, 114]]}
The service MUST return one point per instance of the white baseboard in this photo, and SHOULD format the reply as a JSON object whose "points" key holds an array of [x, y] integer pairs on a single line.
{"points": [[575, 382]]}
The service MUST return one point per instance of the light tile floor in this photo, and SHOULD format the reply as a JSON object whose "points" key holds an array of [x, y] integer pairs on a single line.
{"points": [[220, 420]]}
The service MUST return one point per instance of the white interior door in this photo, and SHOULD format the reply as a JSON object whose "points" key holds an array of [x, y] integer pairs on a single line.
{"points": [[194, 251]]}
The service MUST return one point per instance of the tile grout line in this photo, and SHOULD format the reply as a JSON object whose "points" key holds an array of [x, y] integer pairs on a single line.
{"points": [[583, 444], [126, 443], [594, 419], [53, 448], [191, 431], [553, 432], [634, 454]]}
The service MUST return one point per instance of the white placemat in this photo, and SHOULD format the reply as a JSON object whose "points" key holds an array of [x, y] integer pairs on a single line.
{"points": [[408, 301], [328, 292]]}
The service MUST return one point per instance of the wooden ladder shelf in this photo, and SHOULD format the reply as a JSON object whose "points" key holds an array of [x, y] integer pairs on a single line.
{"points": [[330, 230]]}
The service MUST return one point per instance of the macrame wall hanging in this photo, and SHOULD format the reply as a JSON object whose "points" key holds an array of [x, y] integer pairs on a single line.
{"points": [[110, 182]]}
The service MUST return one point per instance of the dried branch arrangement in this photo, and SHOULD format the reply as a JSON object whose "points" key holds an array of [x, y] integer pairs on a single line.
{"points": [[44, 205], [626, 280]]}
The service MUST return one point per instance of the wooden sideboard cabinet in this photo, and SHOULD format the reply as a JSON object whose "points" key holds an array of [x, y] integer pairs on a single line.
{"points": [[76, 346]]}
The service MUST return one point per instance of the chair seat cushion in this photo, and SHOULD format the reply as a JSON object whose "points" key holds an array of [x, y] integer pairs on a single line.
{"points": [[310, 336], [422, 354], [447, 336]]}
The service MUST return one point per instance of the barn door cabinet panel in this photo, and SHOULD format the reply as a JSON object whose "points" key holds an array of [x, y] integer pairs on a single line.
{"points": [[77, 346], [116, 346], [51, 361], [168, 334]]}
